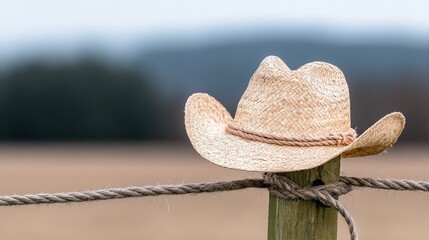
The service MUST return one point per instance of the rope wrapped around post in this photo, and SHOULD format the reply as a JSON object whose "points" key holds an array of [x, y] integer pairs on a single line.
{"points": [[281, 186]]}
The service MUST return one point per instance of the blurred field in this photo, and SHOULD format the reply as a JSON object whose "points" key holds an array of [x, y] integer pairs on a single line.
{"points": [[233, 215]]}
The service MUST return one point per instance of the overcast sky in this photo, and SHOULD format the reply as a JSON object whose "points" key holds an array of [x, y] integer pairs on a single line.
{"points": [[23, 22]]}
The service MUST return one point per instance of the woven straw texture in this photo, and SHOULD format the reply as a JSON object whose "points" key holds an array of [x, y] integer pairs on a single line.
{"points": [[311, 102]]}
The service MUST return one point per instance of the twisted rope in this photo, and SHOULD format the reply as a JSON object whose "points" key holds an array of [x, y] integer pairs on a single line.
{"points": [[278, 185], [339, 139], [129, 192]]}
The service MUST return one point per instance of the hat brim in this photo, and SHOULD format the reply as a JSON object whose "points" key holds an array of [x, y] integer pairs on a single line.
{"points": [[206, 119]]}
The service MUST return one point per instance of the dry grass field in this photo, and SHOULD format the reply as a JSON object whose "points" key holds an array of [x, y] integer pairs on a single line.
{"points": [[233, 215]]}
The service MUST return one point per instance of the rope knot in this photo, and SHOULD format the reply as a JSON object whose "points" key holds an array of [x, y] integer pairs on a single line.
{"points": [[283, 187], [343, 139]]}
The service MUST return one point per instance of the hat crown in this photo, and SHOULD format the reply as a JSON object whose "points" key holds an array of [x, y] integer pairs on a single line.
{"points": [[311, 101]]}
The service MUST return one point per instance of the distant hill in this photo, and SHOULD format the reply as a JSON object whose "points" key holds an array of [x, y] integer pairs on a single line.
{"points": [[141, 95]]}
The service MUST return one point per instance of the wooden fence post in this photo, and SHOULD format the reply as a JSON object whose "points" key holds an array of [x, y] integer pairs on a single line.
{"points": [[305, 220]]}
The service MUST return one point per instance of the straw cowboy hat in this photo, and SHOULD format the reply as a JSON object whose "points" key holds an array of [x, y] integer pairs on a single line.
{"points": [[287, 120]]}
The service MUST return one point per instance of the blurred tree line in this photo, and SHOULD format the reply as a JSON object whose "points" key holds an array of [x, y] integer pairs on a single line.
{"points": [[81, 100], [91, 100], [406, 92]]}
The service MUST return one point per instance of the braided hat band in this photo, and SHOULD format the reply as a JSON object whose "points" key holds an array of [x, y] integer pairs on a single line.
{"points": [[339, 139]]}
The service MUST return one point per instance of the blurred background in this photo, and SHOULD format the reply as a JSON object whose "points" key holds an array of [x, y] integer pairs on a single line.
{"points": [[92, 95]]}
